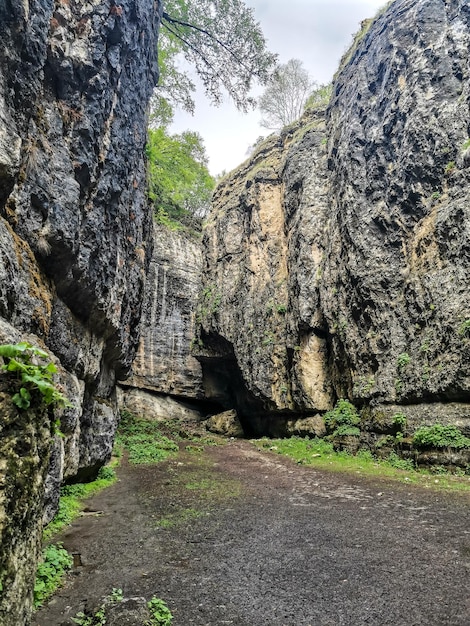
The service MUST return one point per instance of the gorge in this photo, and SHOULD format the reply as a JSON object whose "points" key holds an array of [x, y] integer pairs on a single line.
{"points": [[335, 262]]}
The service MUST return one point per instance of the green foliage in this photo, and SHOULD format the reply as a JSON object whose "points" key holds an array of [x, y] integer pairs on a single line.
{"points": [[222, 41], [449, 168], [50, 572], [180, 185], [143, 440], [343, 419], [33, 373], [161, 615], [71, 496], [319, 97], [403, 360], [99, 617], [466, 145], [209, 302], [464, 328], [284, 99], [439, 436], [399, 420], [347, 431], [404, 464]]}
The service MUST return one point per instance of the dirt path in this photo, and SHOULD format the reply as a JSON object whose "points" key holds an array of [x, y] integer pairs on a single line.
{"points": [[235, 536]]}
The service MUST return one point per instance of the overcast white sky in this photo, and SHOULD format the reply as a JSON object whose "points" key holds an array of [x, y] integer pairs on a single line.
{"points": [[315, 31]]}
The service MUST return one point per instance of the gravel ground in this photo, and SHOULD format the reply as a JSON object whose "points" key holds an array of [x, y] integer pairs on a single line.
{"points": [[236, 536]]}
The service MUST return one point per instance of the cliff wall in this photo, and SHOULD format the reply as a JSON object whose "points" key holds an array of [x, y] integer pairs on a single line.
{"points": [[164, 373], [75, 238], [337, 257]]}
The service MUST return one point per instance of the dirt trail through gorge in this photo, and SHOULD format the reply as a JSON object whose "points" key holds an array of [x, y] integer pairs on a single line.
{"points": [[231, 535]]}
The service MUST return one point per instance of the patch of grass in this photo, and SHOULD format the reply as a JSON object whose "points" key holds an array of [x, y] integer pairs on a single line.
{"points": [[70, 503], [321, 455], [464, 328], [144, 440], [50, 572], [403, 360], [179, 518], [204, 484]]}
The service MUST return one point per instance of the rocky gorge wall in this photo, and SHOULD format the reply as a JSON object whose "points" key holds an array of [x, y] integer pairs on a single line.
{"points": [[164, 373], [75, 242], [337, 257]]}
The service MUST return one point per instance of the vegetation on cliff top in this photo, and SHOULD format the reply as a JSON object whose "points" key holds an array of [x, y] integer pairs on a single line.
{"points": [[180, 185], [222, 41]]}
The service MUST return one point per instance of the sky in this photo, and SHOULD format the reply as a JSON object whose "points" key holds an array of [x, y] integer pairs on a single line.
{"points": [[315, 31]]}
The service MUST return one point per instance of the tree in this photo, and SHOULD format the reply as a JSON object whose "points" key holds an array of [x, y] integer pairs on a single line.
{"points": [[180, 185], [284, 99], [222, 41]]}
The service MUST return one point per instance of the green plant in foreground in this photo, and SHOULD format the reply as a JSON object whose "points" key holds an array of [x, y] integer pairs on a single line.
{"points": [[34, 373], [449, 168], [439, 436], [161, 615], [50, 572]]}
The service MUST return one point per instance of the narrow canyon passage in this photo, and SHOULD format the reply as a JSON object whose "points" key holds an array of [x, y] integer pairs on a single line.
{"points": [[230, 535]]}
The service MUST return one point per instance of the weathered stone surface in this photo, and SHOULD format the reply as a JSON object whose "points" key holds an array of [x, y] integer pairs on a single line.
{"points": [[307, 427], [226, 424], [396, 272], [128, 612], [155, 406], [24, 456], [163, 361], [261, 325], [337, 258], [75, 230]]}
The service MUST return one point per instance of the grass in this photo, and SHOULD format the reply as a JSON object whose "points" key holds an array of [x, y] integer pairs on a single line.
{"points": [[144, 440], [56, 560], [197, 486], [179, 517], [320, 454], [71, 500]]}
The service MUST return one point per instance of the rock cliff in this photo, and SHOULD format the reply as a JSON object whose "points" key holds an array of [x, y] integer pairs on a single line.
{"points": [[75, 234], [164, 373], [337, 257]]}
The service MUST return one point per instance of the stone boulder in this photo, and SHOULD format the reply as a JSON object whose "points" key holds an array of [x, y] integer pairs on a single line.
{"points": [[226, 424]]}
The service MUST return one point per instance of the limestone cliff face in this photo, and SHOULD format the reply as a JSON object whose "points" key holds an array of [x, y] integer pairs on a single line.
{"points": [[338, 256], [164, 363], [262, 331], [75, 81], [398, 248]]}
